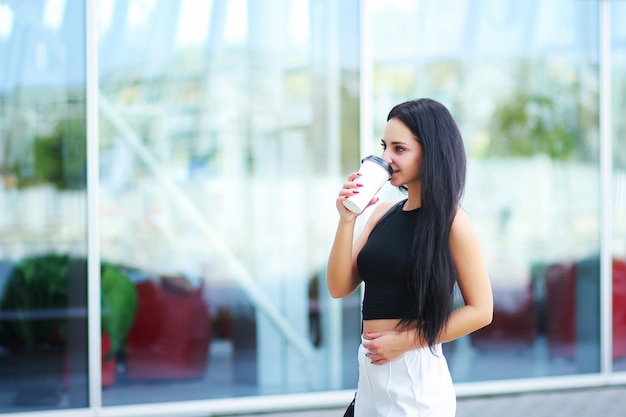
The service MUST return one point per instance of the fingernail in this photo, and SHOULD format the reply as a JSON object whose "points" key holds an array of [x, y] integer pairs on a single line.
{"points": [[346, 196], [359, 185], [355, 192], [358, 174]]}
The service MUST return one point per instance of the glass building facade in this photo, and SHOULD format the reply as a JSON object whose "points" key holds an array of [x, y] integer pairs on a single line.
{"points": [[169, 172]]}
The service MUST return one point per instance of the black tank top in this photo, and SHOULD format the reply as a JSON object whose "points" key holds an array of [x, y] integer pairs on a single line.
{"points": [[384, 264]]}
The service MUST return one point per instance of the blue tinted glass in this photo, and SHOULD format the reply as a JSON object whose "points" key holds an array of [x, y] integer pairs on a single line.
{"points": [[43, 222], [222, 125], [521, 78]]}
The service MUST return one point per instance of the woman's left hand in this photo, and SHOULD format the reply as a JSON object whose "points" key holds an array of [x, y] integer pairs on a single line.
{"points": [[386, 346]]}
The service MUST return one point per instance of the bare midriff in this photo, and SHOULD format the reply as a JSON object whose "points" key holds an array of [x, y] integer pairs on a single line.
{"points": [[380, 325]]}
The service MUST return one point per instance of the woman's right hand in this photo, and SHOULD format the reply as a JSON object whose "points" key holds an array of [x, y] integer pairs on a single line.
{"points": [[350, 188]]}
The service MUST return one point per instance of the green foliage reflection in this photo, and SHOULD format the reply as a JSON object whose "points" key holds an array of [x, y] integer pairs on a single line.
{"points": [[531, 124]]}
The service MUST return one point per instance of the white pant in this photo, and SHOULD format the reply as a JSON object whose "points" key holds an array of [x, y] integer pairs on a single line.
{"points": [[417, 384]]}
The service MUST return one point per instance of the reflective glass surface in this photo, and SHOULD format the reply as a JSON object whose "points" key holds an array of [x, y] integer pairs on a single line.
{"points": [[618, 90], [43, 226], [521, 78], [227, 128], [224, 130]]}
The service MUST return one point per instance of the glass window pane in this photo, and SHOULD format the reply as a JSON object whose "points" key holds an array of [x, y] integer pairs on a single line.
{"points": [[521, 79], [618, 91], [43, 222], [221, 144]]}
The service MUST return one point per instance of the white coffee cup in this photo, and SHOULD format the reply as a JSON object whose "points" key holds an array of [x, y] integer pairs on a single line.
{"points": [[375, 172]]}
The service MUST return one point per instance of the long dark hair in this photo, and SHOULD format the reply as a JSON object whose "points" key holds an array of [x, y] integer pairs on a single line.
{"points": [[433, 274]]}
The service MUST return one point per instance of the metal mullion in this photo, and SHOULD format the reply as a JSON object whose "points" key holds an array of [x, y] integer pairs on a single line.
{"points": [[366, 64], [606, 270], [93, 235]]}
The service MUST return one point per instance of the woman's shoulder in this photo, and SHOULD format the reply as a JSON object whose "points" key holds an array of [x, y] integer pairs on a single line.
{"points": [[460, 215], [380, 210], [462, 226], [384, 206]]}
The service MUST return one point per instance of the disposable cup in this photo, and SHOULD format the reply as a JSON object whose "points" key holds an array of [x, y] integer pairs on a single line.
{"points": [[375, 172]]}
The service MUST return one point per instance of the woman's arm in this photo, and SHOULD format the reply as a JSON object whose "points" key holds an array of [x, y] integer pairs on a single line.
{"points": [[473, 281], [342, 276]]}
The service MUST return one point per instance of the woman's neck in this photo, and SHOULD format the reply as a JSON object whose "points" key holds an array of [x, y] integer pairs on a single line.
{"points": [[414, 199]]}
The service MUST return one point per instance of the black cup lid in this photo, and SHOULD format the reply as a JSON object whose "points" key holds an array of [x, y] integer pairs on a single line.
{"points": [[380, 161]]}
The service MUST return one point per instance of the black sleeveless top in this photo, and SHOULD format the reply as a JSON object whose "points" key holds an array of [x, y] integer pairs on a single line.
{"points": [[384, 264]]}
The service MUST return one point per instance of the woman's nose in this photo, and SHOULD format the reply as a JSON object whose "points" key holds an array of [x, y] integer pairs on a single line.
{"points": [[386, 156]]}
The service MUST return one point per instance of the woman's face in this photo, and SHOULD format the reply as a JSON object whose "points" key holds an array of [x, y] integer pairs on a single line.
{"points": [[403, 152]]}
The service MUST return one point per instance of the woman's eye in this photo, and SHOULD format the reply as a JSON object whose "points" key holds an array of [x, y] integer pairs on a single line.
{"points": [[395, 148]]}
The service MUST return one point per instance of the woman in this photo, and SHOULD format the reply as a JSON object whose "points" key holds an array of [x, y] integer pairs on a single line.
{"points": [[410, 255]]}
